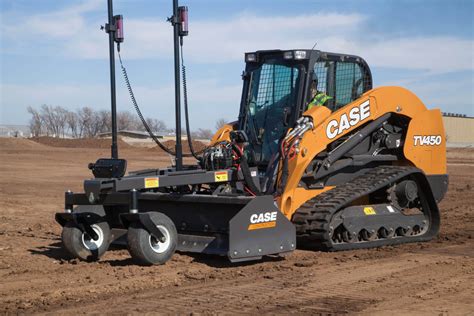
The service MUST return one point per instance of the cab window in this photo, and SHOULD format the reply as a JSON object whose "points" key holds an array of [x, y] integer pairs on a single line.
{"points": [[344, 82], [349, 83]]}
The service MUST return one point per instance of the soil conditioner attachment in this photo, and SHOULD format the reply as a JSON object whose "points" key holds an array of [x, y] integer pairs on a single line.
{"points": [[317, 156]]}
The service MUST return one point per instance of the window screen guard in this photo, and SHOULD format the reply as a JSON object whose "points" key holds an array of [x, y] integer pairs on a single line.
{"points": [[348, 84]]}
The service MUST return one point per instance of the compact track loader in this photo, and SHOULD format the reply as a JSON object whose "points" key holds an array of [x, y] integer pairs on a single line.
{"points": [[365, 169]]}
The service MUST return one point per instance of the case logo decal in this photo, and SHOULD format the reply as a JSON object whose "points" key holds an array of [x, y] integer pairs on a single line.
{"points": [[427, 140], [356, 115], [263, 220]]}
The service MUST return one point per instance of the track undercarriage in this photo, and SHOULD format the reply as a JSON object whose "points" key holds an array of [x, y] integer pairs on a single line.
{"points": [[367, 212]]}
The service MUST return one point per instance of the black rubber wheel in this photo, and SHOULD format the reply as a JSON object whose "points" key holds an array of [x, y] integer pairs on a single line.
{"points": [[81, 245], [145, 249]]}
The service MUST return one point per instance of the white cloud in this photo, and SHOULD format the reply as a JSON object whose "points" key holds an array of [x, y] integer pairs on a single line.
{"points": [[217, 41], [60, 24]]}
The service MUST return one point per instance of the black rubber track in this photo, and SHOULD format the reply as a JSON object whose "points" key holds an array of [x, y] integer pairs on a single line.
{"points": [[312, 219]]}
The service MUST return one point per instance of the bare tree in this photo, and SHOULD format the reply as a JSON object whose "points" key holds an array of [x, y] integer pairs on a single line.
{"points": [[97, 124], [125, 121], [72, 120], [156, 125], [104, 120], [85, 122], [54, 119], [60, 118], [220, 122], [203, 133], [36, 123], [46, 113], [88, 123]]}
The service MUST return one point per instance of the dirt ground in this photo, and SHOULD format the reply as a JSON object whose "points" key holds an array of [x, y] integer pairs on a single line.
{"points": [[434, 278]]}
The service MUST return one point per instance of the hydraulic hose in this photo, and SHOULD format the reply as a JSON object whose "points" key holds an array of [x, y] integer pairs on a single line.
{"points": [[246, 172], [140, 115], [186, 112]]}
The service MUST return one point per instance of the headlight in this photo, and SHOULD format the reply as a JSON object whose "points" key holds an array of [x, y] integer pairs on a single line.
{"points": [[300, 54], [250, 57], [288, 55]]}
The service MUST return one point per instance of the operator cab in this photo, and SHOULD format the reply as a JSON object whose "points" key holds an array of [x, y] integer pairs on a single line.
{"points": [[279, 85]]}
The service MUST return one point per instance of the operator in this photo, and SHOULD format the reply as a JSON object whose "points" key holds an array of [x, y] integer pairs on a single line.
{"points": [[319, 98]]}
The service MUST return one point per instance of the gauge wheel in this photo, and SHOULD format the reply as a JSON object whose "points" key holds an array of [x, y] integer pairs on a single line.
{"points": [[80, 245], [145, 249]]}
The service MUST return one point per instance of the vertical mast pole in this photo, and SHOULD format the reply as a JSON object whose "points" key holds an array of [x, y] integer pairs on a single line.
{"points": [[111, 31], [179, 148]]}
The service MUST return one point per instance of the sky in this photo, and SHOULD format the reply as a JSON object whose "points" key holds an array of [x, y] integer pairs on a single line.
{"points": [[53, 52]]}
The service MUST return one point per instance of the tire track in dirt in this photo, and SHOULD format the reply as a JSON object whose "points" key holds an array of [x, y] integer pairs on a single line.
{"points": [[303, 290]]}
